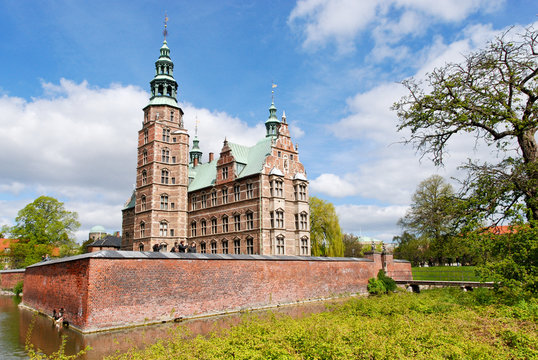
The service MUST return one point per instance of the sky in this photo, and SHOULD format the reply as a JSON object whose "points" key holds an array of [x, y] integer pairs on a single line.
{"points": [[75, 77]]}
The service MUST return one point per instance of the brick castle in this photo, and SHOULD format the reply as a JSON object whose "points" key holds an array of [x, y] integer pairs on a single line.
{"points": [[248, 200]]}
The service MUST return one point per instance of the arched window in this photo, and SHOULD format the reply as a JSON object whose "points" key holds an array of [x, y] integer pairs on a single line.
{"points": [[203, 227], [144, 157], [304, 246], [142, 229], [225, 224], [164, 176], [146, 136], [225, 246], [193, 228], [237, 246], [203, 249], [164, 202], [214, 198], [165, 155], [143, 202], [250, 245], [144, 177], [280, 248], [213, 247], [163, 228], [249, 220]]}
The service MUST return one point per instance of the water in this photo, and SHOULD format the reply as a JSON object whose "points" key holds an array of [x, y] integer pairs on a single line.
{"points": [[15, 323]]}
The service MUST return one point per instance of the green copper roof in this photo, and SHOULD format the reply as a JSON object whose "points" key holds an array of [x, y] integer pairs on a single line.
{"points": [[163, 100], [163, 86], [131, 202], [252, 157], [97, 229]]}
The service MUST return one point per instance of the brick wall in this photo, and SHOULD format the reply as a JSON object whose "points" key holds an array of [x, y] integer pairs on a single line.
{"points": [[114, 289], [9, 278]]}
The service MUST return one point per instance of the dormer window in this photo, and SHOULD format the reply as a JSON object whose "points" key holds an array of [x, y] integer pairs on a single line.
{"points": [[225, 173]]}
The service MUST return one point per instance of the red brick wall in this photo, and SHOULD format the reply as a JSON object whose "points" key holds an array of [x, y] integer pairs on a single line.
{"points": [[105, 292], [9, 278], [57, 284]]}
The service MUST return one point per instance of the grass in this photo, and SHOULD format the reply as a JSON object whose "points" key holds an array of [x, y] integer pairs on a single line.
{"points": [[445, 273], [436, 324]]}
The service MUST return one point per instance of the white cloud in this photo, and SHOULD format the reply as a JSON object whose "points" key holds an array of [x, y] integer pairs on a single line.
{"points": [[78, 143], [333, 185], [342, 21]]}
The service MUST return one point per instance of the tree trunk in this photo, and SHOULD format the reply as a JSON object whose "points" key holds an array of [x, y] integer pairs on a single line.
{"points": [[529, 148]]}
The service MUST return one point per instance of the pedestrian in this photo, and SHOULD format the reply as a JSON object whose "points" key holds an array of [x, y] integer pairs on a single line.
{"points": [[192, 248], [182, 247], [156, 247], [174, 248]]}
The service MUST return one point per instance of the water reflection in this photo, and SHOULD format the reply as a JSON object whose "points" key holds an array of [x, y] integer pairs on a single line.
{"points": [[15, 323]]}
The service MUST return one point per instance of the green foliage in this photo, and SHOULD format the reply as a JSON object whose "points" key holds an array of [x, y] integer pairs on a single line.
{"points": [[409, 247], [17, 290], [388, 282], [510, 260], [491, 95], [325, 233], [436, 324], [446, 273], [45, 221], [24, 254], [376, 287], [352, 246]]}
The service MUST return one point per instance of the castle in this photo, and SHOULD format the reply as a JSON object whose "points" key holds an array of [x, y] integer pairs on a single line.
{"points": [[249, 200]]}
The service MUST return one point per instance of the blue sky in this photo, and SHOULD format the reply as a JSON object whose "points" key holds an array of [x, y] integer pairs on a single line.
{"points": [[75, 76]]}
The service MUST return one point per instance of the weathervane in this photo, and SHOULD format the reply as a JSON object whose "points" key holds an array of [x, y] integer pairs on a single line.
{"points": [[165, 32], [273, 86], [196, 127]]}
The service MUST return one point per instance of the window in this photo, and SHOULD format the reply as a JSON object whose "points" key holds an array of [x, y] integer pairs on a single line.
{"points": [[280, 245], [304, 246], [203, 227], [213, 226], [279, 154], [213, 247], [276, 188], [300, 192], [173, 180], [173, 159], [203, 248], [214, 198], [237, 192], [304, 221], [144, 157], [225, 246], [250, 221], [279, 219], [141, 247], [165, 155], [171, 112], [237, 222], [225, 172], [224, 196], [204, 201], [163, 228], [166, 135], [164, 202], [291, 157], [296, 221], [225, 224], [172, 206], [237, 246], [143, 202], [164, 176], [193, 202], [144, 177], [146, 136], [171, 232], [142, 229], [272, 214], [250, 191], [250, 246], [193, 228]]}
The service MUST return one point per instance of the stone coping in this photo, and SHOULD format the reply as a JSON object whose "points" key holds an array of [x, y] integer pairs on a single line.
{"points": [[401, 261], [113, 254], [12, 271]]}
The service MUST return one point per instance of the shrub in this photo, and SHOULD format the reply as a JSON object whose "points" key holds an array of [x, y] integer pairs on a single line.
{"points": [[376, 287], [17, 289], [388, 282]]}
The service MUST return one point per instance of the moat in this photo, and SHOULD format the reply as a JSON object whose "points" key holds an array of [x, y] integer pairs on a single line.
{"points": [[15, 323]]}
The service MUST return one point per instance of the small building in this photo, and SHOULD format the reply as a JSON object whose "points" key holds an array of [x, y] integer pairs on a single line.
{"points": [[108, 242], [97, 232]]}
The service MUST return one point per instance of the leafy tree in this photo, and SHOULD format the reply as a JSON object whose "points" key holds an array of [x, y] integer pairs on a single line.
{"points": [[45, 221], [493, 95], [4, 231], [409, 247], [432, 218], [352, 246], [325, 233]]}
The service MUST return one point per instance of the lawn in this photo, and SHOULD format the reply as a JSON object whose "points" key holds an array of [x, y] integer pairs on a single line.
{"points": [[435, 324], [445, 273]]}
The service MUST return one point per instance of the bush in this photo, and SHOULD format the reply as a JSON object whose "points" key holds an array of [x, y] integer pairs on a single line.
{"points": [[17, 289], [388, 282], [376, 287]]}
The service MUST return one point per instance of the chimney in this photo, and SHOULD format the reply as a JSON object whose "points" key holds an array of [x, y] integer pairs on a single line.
{"points": [[211, 156], [195, 162]]}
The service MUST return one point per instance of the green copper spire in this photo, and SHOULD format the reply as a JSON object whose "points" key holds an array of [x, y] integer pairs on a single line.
{"points": [[163, 85], [272, 122], [196, 153]]}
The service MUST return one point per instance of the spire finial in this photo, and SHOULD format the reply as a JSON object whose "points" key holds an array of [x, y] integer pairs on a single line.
{"points": [[165, 32], [196, 127], [273, 86]]}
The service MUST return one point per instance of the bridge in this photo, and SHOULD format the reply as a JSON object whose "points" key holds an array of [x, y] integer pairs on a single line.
{"points": [[415, 285]]}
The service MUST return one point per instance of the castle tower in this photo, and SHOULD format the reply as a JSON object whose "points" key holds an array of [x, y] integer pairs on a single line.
{"points": [[160, 198]]}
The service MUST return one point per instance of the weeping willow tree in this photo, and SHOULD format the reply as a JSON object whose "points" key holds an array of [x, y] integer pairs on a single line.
{"points": [[325, 233]]}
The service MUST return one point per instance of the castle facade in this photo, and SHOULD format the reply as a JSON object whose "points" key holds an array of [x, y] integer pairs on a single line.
{"points": [[248, 200]]}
